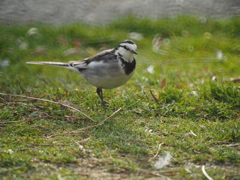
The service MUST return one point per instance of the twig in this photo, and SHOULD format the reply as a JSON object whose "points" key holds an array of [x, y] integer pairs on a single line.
{"points": [[10, 122], [151, 173], [2, 124], [73, 132], [99, 124], [154, 97], [10, 169], [192, 133], [86, 128], [159, 148], [205, 173], [233, 145], [46, 100]]}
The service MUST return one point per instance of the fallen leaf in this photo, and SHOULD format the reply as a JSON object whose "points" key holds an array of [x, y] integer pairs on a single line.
{"points": [[163, 83]]}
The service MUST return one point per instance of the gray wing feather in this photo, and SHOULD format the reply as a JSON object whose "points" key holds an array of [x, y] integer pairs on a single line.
{"points": [[106, 55]]}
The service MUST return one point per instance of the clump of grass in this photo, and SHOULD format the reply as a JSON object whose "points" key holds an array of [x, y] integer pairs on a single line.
{"points": [[225, 93]]}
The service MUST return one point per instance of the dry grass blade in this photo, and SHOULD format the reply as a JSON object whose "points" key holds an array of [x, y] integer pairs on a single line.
{"points": [[159, 148], [2, 124], [205, 173], [162, 177], [86, 128], [72, 132], [46, 100], [11, 122], [154, 97], [108, 117]]}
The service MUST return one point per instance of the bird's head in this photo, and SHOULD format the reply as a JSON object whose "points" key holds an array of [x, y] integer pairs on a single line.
{"points": [[126, 50]]}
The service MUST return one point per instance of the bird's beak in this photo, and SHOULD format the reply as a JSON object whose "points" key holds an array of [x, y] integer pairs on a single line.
{"points": [[134, 52]]}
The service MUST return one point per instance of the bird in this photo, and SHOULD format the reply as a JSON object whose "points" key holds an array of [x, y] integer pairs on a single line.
{"points": [[106, 70]]}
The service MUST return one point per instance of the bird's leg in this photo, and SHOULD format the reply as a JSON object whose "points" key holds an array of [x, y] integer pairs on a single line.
{"points": [[100, 94]]}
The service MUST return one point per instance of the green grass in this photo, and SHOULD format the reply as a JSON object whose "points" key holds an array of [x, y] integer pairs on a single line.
{"points": [[189, 90]]}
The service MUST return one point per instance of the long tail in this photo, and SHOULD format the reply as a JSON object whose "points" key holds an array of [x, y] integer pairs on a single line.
{"points": [[72, 65], [59, 64]]}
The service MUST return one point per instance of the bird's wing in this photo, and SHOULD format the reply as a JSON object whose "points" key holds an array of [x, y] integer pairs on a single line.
{"points": [[106, 55]]}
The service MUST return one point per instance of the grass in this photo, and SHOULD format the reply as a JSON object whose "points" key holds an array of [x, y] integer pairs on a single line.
{"points": [[183, 99]]}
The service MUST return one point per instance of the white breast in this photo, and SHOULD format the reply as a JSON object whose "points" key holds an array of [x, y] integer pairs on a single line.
{"points": [[105, 75]]}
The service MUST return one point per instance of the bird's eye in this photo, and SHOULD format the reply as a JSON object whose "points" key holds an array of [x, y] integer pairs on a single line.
{"points": [[125, 47]]}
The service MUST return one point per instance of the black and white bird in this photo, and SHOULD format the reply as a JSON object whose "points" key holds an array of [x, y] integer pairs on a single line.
{"points": [[106, 70]]}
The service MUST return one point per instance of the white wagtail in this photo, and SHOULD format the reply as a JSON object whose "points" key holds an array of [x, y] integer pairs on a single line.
{"points": [[107, 69]]}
